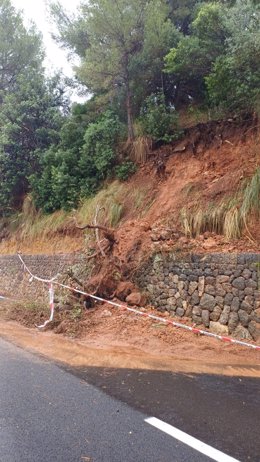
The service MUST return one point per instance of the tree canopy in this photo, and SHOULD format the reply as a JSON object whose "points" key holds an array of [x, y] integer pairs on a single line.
{"points": [[140, 62]]}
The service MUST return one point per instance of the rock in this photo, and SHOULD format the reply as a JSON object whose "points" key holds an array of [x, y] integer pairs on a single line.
{"points": [[256, 315], [235, 305], [171, 301], [221, 279], [246, 306], [218, 328], [138, 299], [243, 317], [227, 287], [220, 292], [242, 333], [175, 279], [181, 285], [239, 283], [207, 302], [197, 319], [210, 280], [192, 287], [252, 284], [215, 315], [197, 311], [201, 285], [249, 291], [228, 299], [233, 321], [195, 299], [254, 330], [205, 317], [220, 301], [180, 312], [124, 289], [246, 274], [210, 290], [224, 315]]}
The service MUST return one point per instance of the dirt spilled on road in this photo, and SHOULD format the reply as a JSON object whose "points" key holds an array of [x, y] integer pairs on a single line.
{"points": [[101, 348]]}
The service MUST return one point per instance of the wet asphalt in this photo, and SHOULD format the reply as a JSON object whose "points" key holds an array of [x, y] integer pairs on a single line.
{"points": [[50, 412]]}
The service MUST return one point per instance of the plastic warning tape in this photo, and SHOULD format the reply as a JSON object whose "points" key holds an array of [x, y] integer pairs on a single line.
{"points": [[144, 314], [51, 295]]}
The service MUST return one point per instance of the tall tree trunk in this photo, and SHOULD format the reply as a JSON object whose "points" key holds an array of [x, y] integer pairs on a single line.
{"points": [[130, 125]]}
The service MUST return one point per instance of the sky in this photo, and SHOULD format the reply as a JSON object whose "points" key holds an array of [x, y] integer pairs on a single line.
{"points": [[35, 10]]}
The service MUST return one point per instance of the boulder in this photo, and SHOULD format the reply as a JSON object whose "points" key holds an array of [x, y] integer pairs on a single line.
{"points": [[135, 299], [124, 289], [254, 330], [218, 328]]}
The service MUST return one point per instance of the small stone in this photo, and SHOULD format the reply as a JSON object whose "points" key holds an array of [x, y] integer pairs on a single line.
{"points": [[246, 274], [242, 333], [227, 287], [205, 317], [201, 286], [210, 280], [249, 291], [239, 283], [215, 315], [210, 290], [233, 321], [246, 306], [197, 311], [218, 328], [195, 299], [221, 279], [180, 312], [177, 295], [228, 299], [175, 279], [252, 284], [220, 301], [256, 315], [224, 315], [171, 301], [254, 330], [192, 287], [220, 292], [207, 302], [243, 317], [235, 305]]}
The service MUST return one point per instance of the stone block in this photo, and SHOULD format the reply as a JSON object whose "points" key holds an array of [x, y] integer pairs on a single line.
{"points": [[243, 318], [239, 283], [207, 302], [218, 328], [224, 315]]}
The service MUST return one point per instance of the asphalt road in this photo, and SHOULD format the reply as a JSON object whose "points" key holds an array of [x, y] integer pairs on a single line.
{"points": [[49, 413]]}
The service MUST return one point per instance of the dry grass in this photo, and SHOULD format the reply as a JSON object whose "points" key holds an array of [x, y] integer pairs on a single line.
{"points": [[230, 217], [140, 149], [38, 232]]}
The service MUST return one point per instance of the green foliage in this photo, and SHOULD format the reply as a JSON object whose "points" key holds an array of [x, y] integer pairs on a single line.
{"points": [[158, 121], [234, 83], [125, 170], [76, 167]]}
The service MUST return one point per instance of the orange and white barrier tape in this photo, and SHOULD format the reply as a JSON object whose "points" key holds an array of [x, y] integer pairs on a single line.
{"points": [[144, 314]]}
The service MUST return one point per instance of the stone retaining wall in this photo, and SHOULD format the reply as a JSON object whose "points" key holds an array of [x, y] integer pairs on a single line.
{"points": [[219, 291], [16, 283]]}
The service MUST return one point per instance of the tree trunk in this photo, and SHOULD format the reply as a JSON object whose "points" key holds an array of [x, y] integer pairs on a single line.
{"points": [[130, 126]]}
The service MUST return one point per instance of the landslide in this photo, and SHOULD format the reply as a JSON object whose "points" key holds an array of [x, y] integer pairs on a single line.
{"points": [[209, 165]]}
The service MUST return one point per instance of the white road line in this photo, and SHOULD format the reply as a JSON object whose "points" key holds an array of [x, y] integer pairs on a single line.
{"points": [[190, 441]]}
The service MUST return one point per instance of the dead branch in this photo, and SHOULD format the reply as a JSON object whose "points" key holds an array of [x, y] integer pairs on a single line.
{"points": [[98, 209]]}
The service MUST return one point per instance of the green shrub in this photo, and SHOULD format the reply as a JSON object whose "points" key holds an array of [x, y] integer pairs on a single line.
{"points": [[125, 170], [158, 120]]}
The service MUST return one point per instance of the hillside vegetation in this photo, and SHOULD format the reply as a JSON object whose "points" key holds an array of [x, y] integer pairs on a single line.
{"points": [[163, 155]]}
